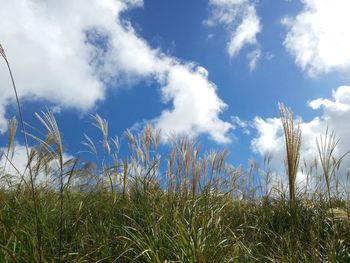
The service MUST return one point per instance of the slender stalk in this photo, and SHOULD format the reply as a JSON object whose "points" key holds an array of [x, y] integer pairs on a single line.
{"points": [[61, 206], [292, 135], [125, 174], [326, 146], [37, 227]]}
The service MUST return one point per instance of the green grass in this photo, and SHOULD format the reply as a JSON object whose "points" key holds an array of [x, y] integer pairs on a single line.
{"points": [[133, 210], [184, 206], [152, 226]]}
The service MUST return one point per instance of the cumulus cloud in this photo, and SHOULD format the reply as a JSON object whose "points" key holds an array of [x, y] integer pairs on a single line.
{"points": [[335, 117], [270, 136], [70, 52], [240, 19], [318, 37], [195, 105]]}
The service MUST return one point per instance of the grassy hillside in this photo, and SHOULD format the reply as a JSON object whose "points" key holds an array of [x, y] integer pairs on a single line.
{"points": [[179, 206]]}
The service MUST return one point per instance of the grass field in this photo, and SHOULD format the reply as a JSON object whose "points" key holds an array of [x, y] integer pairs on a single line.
{"points": [[196, 208], [181, 206]]}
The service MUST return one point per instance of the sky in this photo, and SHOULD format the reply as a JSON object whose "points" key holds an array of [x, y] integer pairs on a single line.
{"points": [[212, 69]]}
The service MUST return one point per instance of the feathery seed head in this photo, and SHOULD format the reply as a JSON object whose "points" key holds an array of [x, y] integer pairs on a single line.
{"points": [[2, 52]]}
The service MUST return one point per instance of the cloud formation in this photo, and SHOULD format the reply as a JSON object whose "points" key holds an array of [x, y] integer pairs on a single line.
{"points": [[318, 37], [335, 116], [241, 21], [195, 104], [70, 52]]}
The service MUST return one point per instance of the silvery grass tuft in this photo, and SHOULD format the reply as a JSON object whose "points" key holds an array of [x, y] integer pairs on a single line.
{"points": [[330, 163], [12, 129], [292, 135], [2, 52]]}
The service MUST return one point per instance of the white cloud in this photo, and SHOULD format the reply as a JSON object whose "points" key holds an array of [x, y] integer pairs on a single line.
{"points": [[69, 52], [226, 11], [319, 37], [253, 58], [269, 139], [335, 116], [240, 19], [243, 125], [245, 33], [195, 105]]}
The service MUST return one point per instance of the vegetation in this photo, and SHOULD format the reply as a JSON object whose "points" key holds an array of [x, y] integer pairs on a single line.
{"points": [[181, 205]]}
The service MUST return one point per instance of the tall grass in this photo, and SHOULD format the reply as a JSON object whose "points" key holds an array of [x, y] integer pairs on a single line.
{"points": [[178, 204], [292, 134], [213, 217]]}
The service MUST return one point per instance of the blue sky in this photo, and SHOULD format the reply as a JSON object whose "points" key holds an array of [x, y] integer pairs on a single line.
{"points": [[182, 65]]}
